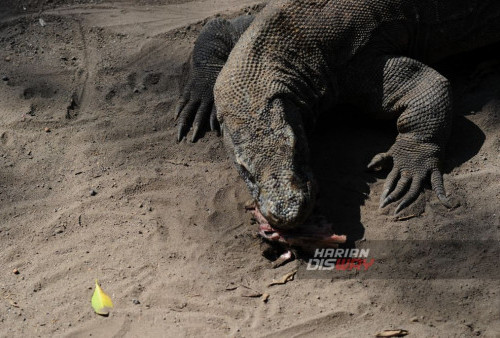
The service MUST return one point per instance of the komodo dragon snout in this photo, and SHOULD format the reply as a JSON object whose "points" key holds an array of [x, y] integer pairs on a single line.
{"points": [[271, 154], [285, 199]]}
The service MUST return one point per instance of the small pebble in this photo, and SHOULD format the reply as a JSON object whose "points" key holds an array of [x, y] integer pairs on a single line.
{"points": [[47, 129], [93, 192], [5, 78], [136, 302], [414, 319], [15, 271], [7, 58]]}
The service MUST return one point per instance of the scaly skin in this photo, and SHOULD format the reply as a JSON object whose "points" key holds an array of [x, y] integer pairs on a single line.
{"points": [[298, 54]]}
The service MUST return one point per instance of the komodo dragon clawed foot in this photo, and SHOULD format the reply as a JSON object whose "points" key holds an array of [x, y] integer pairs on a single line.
{"points": [[196, 103], [413, 162]]}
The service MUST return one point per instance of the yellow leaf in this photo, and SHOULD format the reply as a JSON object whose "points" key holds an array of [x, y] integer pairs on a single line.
{"points": [[101, 302]]}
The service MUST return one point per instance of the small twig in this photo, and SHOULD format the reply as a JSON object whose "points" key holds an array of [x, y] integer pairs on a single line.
{"points": [[405, 218]]}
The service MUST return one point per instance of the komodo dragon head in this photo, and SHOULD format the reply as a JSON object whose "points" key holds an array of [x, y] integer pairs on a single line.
{"points": [[269, 146]]}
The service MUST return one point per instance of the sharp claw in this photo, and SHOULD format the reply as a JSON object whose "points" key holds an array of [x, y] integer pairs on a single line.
{"points": [[181, 132], [400, 207], [180, 106], [437, 186], [378, 161], [385, 202], [412, 194], [404, 203], [196, 130], [398, 191], [177, 114], [372, 164], [388, 187], [384, 195]]}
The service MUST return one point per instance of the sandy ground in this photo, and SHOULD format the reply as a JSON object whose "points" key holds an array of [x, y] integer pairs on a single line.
{"points": [[86, 104]]}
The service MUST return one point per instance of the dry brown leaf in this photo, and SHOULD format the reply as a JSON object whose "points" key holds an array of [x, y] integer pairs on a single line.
{"points": [[285, 279], [392, 333]]}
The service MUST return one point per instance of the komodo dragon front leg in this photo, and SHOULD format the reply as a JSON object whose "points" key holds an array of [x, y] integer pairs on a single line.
{"points": [[394, 86], [210, 53]]}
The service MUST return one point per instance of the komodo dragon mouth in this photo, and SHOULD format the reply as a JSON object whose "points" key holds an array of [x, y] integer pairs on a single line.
{"points": [[316, 233]]}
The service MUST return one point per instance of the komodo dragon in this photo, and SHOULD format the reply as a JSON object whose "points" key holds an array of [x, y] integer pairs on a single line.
{"points": [[271, 79]]}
